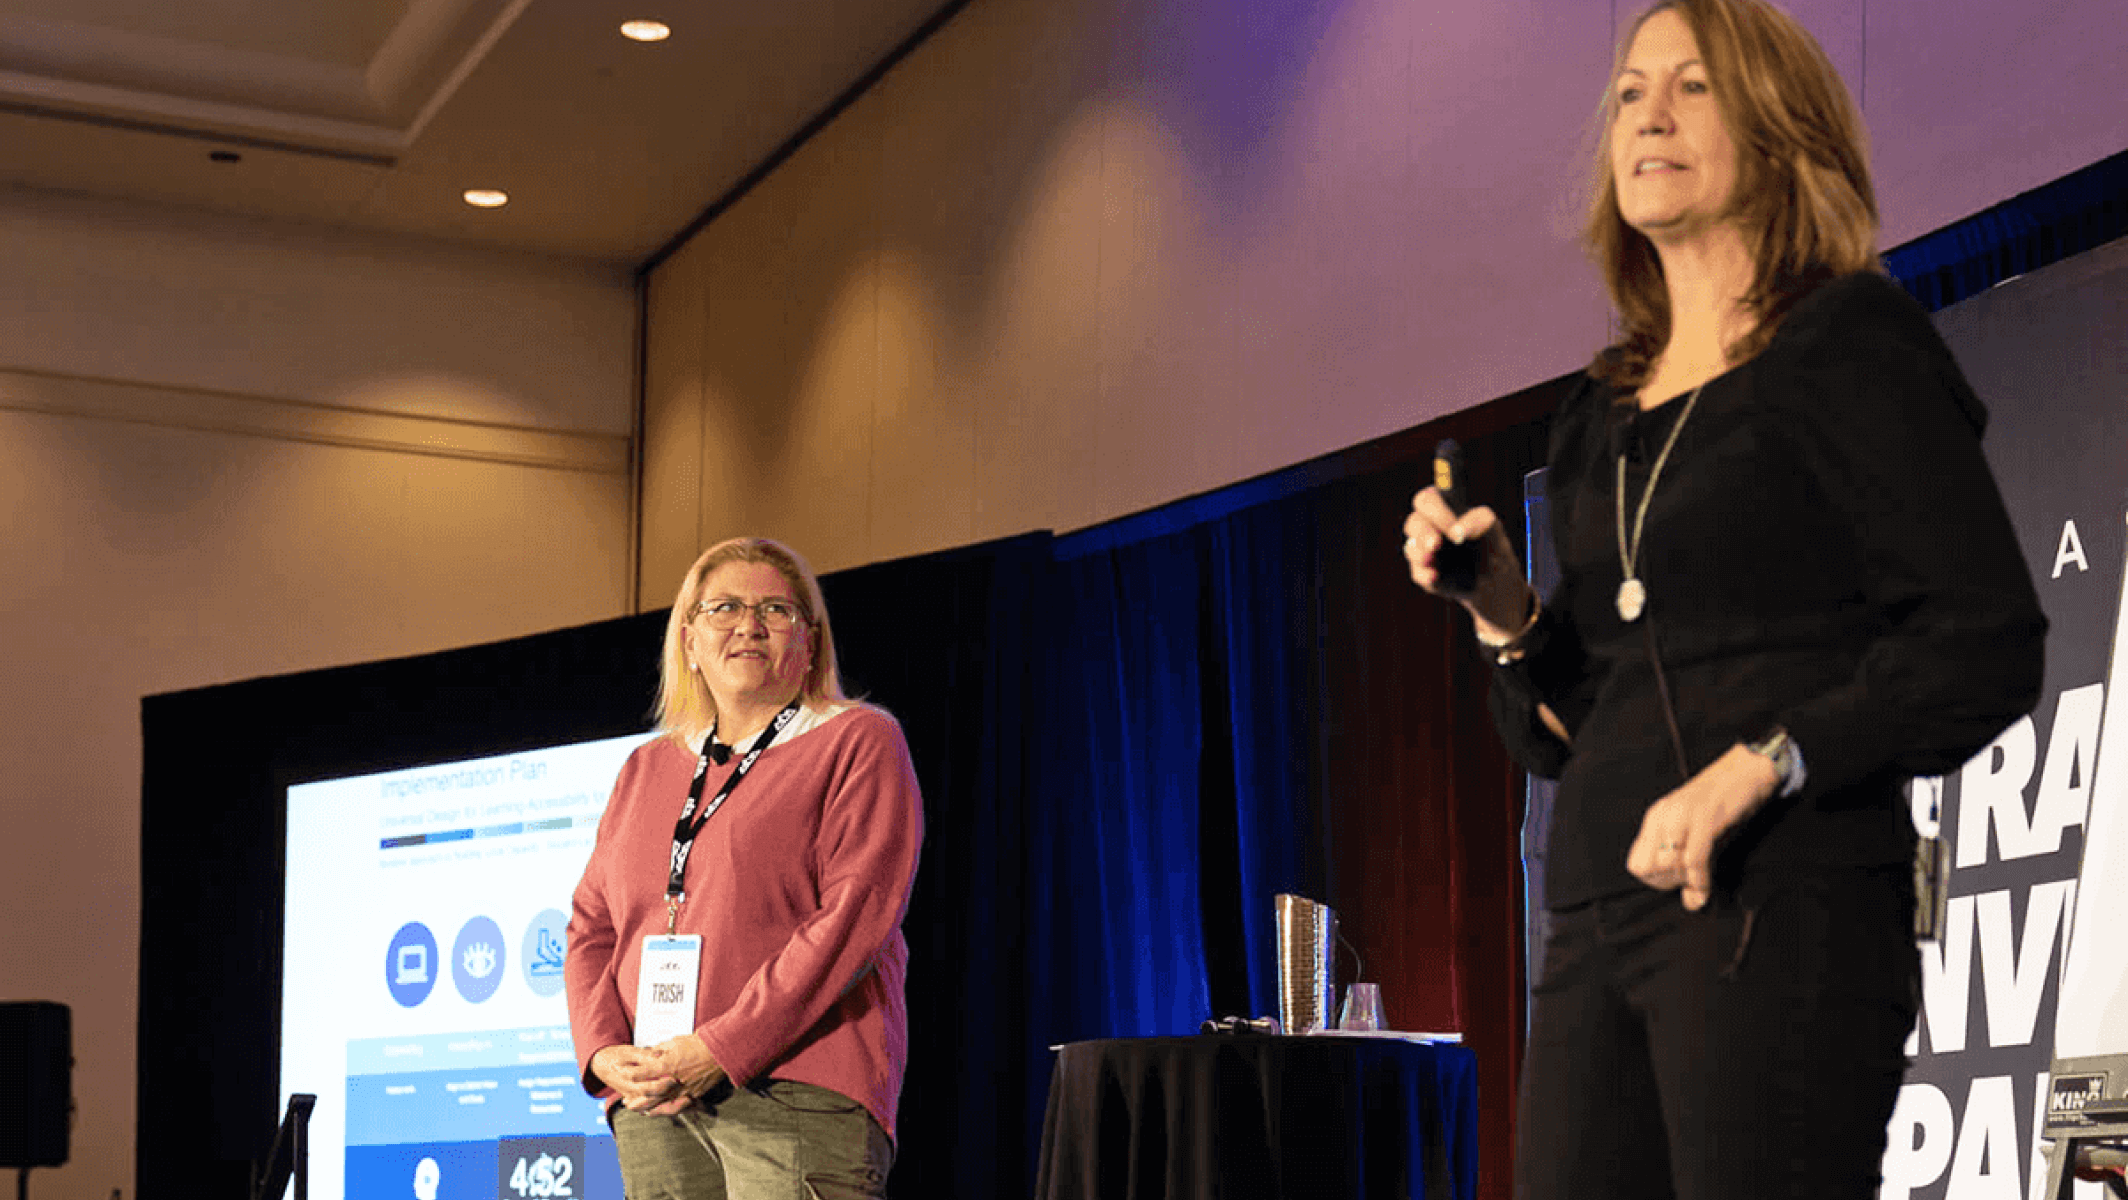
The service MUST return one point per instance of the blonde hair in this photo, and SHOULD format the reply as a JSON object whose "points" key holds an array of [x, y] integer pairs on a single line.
{"points": [[1803, 195], [685, 709]]}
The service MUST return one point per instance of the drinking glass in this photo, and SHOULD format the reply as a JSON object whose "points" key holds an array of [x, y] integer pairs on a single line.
{"points": [[1363, 1007]]}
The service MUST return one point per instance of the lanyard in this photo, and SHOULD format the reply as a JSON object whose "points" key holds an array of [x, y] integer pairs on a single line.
{"points": [[690, 824]]}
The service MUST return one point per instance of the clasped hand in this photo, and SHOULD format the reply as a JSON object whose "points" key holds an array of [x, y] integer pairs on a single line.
{"points": [[1680, 832], [660, 1080]]}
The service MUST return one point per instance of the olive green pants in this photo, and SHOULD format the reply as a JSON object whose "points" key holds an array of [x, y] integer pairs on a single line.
{"points": [[773, 1140]]}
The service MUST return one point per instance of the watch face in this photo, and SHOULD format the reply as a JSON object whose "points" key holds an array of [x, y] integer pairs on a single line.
{"points": [[1779, 749]]}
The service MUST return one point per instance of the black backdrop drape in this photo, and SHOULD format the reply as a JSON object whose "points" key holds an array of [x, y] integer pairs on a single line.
{"points": [[1129, 739]]}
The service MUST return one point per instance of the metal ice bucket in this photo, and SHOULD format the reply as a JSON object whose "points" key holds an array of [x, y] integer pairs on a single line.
{"points": [[1307, 936]]}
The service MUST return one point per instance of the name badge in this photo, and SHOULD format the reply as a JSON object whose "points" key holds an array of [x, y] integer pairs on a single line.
{"points": [[665, 994]]}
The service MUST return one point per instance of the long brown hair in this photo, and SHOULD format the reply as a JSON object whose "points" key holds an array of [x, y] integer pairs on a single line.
{"points": [[1803, 195]]}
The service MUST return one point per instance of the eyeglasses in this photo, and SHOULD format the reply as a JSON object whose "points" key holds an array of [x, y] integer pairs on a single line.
{"points": [[780, 616]]}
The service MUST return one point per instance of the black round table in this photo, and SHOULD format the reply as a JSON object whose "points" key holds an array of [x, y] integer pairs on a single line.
{"points": [[1254, 1117]]}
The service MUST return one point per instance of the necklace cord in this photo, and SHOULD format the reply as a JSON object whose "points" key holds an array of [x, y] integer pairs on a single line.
{"points": [[1669, 709], [1629, 553]]}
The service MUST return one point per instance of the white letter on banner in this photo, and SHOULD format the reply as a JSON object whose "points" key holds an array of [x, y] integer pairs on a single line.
{"points": [[1918, 1141], [2072, 760], [1947, 978], [1986, 1164], [1986, 789], [2013, 980], [2069, 550]]}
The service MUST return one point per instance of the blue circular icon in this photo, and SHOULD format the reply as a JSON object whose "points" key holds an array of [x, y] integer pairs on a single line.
{"points": [[546, 941], [410, 964], [477, 959]]}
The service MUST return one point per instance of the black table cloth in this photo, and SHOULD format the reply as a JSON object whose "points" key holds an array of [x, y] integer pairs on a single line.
{"points": [[1240, 1117]]}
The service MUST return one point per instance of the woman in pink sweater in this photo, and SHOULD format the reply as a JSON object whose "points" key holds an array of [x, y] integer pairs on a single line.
{"points": [[736, 961]]}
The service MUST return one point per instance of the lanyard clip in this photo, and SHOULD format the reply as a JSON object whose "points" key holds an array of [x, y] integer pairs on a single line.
{"points": [[672, 913]]}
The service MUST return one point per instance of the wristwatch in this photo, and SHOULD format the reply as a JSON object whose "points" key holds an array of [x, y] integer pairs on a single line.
{"points": [[1787, 759]]}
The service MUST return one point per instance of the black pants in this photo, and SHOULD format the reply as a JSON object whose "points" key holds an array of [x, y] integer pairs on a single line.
{"points": [[1750, 1050]]}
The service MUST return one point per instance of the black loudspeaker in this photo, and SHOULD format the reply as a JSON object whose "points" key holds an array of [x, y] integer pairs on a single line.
{"points": [[36, 1083]]}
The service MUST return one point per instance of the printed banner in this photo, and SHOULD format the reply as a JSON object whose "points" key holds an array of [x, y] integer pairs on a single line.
{"points": [[2046, 353]]}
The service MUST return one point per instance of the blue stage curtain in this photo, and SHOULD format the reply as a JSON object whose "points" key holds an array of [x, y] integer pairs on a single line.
{"points": [[1119, 803], [2081, 210], [1264, 678]]}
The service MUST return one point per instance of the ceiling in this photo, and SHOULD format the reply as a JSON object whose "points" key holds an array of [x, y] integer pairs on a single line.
{"points": [[379, 114]]}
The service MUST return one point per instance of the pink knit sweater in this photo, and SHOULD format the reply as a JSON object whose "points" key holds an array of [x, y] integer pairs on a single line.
{"points": [[797, 886]]}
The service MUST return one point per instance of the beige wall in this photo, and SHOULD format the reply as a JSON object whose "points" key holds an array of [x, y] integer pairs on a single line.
{"points": [[230, 450], [1075, 258]]}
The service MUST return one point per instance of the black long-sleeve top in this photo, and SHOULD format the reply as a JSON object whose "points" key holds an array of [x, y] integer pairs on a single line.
{"points": [[1825, 551]]}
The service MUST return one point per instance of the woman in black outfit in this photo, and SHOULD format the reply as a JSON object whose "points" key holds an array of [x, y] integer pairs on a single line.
{"points": [[1788, 585]]}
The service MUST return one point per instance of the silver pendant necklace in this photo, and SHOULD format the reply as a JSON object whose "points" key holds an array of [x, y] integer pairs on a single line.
{"points": [[1632, 593]]}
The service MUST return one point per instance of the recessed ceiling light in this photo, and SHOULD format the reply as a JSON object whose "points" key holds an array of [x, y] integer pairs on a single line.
{"points": [[486, 197], [646, 31]]}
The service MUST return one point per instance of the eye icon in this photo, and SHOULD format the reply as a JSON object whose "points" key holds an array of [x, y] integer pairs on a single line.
{"points": [[477, 959], [481, 960]]}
